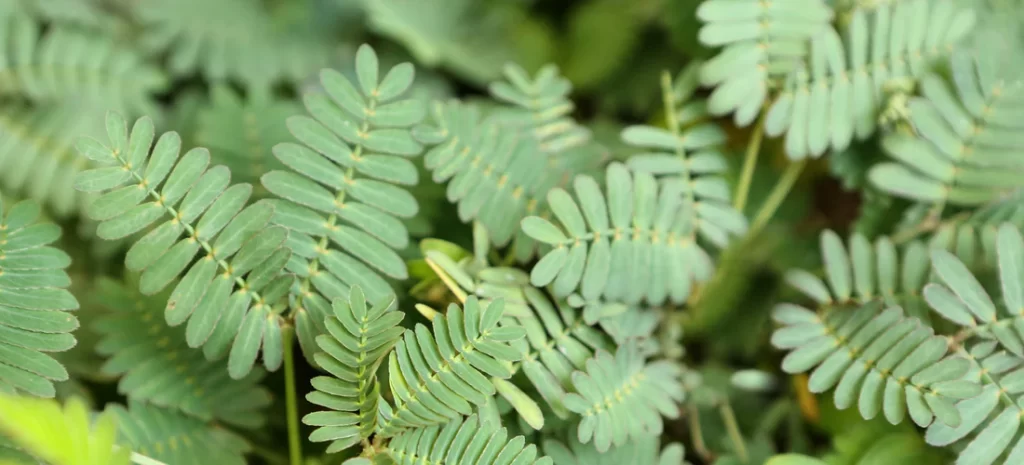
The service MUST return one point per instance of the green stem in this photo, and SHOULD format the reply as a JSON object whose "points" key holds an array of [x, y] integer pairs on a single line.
{"points": [[749, 163], [734, 431], [775, 198], [294, 441], [696, 435]]}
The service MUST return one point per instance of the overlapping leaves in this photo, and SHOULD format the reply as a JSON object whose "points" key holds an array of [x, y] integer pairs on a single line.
{"points": [[228, 294], [357, 341], [633, 243], [965, 146], [840, 92], [344, 196], [34, 302]]}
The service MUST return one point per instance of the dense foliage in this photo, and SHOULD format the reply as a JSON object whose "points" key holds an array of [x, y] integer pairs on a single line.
{"points": [[511, 232]]}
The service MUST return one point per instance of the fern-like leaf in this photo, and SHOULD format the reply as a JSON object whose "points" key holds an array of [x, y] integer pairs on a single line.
{"points": [[491, 164], [877, 358], [558, 338], [37, 156], [862, 273], [643, 450], [61, 436], [34, 302], [463, 442], [155, 365], [434, 377], [687, 156], [344, 197], [961, 298], [469, 38], [965, 147], [633, 244], [65, 63], [624, 397], [838, 95], [172, 437], [357, 340], [972, 236], [227, 295], [242, 132], [762, 42], [227, 39], [992, 418]]}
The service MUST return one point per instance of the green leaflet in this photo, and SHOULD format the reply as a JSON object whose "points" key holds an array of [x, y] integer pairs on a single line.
{"points": [[642, 247], [963, 147], [875, 358], [258, 55], [33, 302], [861, 273], [640, 450], [66, 63], [990, 417], [959, 297], [357, 340], [141, 348], [464, 441], [432, 375], [840, 92], [491, 165], [754, 57], [622, 396], [181, 190], [342, 190]]}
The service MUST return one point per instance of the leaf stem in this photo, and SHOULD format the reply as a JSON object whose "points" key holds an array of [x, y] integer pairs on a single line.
{"points": [[749, 163], [696, 435], [294, 441], [777, 195], [140, 459], [729, 417]]}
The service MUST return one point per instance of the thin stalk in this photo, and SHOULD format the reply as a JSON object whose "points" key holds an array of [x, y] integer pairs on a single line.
{"points": [[734, 430], [749, 163], [777, 195], [696, 435], [291, 403]]}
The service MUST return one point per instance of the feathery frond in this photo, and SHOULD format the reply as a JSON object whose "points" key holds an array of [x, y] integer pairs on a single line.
{"points": [[965, 148], [357, 341], [227, 39], [763, 41], [228, 294], [155, 365], [37, 156], [877, 358], [838, 95], [960, 297], [643, 450], [971, 236], [867, 273], [624, 397], [63, 63], [687, 156], [992, 418], [34, 302], [434, 377], [633, 244], [464, 442], [344, 198], [241, 132]]}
